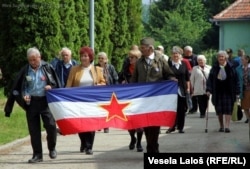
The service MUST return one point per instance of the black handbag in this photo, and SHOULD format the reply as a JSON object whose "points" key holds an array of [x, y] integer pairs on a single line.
{"points": [[239, 113]]}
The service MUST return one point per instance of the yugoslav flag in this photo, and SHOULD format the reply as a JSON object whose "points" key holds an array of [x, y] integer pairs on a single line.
{"points": [[127, 106]]}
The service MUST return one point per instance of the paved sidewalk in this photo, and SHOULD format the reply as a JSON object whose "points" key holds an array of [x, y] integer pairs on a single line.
{"points": [[111, 149]]}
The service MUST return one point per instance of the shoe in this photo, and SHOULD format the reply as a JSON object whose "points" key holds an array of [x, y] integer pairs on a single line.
{"points": [[227, 130], [132, 144], [139, 148], [221, 130], [89, 152], [53, 154], [202, 116], [170, 130], [192, 111], [181, 131], [36, 159], [246, 121], [59, 131], [106, 130], [82, 148]]}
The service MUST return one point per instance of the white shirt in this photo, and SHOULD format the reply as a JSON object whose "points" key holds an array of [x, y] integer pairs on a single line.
{"points": [[86, 79], [151, 57], [67, 65], [176, 64]]}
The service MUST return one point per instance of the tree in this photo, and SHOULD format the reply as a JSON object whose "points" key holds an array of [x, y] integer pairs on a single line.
{"points": [[103, 26], [27, 24], [178, 22], [214, 7], [126, 29]]}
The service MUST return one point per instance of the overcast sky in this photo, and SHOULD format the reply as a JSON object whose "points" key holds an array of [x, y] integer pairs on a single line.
{"points": [[145, 1]]}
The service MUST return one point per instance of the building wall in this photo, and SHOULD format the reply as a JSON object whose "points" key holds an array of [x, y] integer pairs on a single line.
{"points": [[235, 35]]}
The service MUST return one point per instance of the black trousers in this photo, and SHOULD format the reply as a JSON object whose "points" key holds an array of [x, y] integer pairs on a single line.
{"points": [[87, 139], [152, 135], [181, 113], [194, 103], [202, 103], [37, 110]]}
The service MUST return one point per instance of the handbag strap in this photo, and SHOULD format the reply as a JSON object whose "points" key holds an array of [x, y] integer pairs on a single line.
{"points": [[203, 73]]}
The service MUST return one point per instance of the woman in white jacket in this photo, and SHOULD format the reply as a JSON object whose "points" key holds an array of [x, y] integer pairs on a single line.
{"points": [[198, 81]]}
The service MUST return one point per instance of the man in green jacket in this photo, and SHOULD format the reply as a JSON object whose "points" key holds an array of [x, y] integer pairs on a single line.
{"points": [[151, 67]]}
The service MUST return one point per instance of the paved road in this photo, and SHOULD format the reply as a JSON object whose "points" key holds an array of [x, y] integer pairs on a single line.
{"points": [[111, 149]]}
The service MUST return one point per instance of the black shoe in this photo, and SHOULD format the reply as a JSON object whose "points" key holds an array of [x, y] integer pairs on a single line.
{"points": [[170, 130], [89, 152], [181, 131], [132, 144], [59, 131], [36, 159], [246, 121], [221, 130], [192, 111], [227, 130], [139, 148], [202, 116], [53, 154], [82, 148], [106, 130]]}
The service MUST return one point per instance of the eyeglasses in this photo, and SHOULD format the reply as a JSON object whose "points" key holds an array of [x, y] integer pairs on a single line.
{"points": [[101, 58]]}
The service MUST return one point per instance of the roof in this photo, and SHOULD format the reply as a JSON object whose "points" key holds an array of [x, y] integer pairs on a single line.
{"points": [[239, 10]]}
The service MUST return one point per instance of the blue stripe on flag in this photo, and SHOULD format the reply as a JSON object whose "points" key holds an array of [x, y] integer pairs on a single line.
{"points": [[103, 93]]}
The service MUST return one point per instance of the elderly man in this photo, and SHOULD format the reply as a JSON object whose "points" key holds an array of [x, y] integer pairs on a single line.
{"points": [[160, 48], [63, 65], [192, 58], [146, 72], [29, 91]]}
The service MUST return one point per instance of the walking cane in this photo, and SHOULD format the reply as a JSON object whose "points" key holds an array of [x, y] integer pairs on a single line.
{"points": [[207, 114]]}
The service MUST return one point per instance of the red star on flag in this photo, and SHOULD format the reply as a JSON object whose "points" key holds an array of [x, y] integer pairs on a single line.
{"points": [[115, 109]]}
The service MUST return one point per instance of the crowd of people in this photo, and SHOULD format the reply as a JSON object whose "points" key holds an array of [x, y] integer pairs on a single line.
{"points": [[226, 80]]}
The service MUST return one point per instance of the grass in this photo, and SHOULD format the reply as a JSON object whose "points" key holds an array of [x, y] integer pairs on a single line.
{"points": [[14, 127]]}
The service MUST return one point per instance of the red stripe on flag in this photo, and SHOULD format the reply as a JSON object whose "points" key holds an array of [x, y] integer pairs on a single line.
{"points": [[76, 125]]}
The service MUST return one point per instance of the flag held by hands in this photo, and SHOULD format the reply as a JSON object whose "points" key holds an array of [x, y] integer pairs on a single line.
{"points": [[128, 106]]}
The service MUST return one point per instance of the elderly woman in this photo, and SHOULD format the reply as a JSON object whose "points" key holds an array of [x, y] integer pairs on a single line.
{"points": [[128, 68], [127, 71], [181, 72], [224, 86], [198, 81], [109, 72], [82, 75]]}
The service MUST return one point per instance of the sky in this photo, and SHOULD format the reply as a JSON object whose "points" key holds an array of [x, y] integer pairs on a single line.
{"points": [[145, 1]]}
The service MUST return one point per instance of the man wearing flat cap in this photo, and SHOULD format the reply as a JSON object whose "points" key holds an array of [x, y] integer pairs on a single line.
{"points": [[151, 67]]}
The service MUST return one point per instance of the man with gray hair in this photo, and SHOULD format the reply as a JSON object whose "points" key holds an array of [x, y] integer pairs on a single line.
{"points": [[64, 64], [192, 58], [29, 91], [144, 72], [160, 49]]}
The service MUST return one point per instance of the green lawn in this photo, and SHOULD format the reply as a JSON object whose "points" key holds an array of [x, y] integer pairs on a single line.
{"points": [[13, 127]]}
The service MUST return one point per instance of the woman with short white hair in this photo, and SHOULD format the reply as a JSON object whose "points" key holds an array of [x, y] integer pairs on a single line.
{"points": [[224, 86], [198, 81]]}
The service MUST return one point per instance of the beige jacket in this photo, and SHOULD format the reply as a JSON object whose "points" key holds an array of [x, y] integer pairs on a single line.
{"points": [[198, 81], [76, 73]]}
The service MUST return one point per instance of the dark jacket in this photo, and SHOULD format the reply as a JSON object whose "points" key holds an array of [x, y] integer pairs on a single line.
{"points": [[158, 70], [110, 74], [232, 83], [59, 68], [125, 74], [16, 93], [182, 74]]}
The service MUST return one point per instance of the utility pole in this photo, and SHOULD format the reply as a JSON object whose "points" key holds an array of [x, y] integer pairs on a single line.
{"points": [[91, 23]]}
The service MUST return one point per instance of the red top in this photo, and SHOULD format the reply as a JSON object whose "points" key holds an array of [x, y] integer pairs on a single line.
{"points": [[187, 64]]}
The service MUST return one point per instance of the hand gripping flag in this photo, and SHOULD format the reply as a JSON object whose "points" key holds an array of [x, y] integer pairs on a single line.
{"points": [[128, 106]]}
